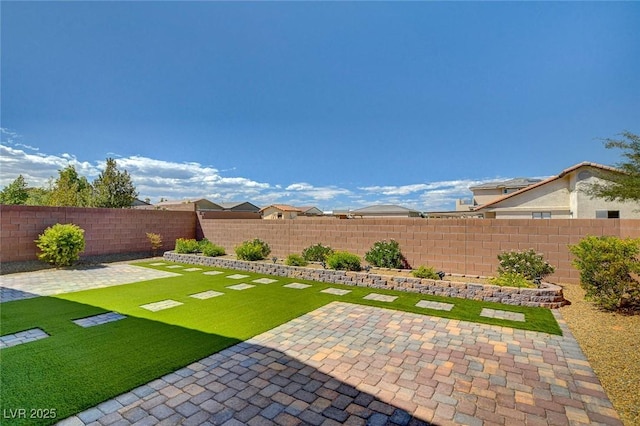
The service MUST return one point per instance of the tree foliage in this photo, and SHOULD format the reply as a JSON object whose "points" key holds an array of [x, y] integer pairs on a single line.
{"points": [[70, 189], [15, 193], [623, 186], [113, 188]]}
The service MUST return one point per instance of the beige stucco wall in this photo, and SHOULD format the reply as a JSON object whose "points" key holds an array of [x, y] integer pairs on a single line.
{"points": [[271, 213], [564, 198], [586, 207]]}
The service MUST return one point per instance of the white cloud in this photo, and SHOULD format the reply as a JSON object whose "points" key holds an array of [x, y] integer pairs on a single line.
{"points": [[155, 179]]}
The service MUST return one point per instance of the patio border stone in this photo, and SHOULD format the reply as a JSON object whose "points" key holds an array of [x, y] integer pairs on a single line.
{"points": [[547, 296]]}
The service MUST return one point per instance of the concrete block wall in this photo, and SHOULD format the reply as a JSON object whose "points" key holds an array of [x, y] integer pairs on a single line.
{"points": [[107, 231], [459, 246]]}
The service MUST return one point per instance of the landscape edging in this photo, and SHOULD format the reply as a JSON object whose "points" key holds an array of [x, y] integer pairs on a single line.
{"points": [[547, 296]]}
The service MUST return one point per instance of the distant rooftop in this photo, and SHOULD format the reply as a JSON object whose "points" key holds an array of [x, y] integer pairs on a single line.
{"points": [[511, 183]]}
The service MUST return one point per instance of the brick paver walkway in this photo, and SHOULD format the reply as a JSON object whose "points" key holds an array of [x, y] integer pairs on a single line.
{"points": [[352, 364], [57, 281]]}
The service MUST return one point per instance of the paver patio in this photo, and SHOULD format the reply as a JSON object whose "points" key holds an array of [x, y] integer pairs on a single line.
{"points": [[353, 364]]}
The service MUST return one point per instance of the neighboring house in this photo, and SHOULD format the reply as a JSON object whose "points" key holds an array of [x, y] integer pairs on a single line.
{"points": [[485, 193], [310, 211], [382, 210], [560, 197], [188, 205], [239, 206], [280, 211], [142, 205]]}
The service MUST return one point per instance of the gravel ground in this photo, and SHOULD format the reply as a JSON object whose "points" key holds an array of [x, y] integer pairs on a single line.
{"points": [[611, 342]]}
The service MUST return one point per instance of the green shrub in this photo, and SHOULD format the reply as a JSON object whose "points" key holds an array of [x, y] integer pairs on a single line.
{"points": [[385, 254], [61, 245], [426, 272], [343, 260], [253, 250], [209, 249], [295, 260], [184, 245], [316, 253], [527, 263], [512, 279], [607, 266]]}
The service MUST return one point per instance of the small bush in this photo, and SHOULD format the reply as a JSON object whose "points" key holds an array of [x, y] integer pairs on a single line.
{"points": [[61, 245], [511, 279], [212, 250], [343, 260], [607, 266], [253, 250], [385, 254], [527, 263], [184, 245], [426, 272], [155, 240], [317, 253], [295, 260]]}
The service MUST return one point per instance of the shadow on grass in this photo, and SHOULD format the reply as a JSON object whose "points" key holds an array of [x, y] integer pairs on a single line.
{"points": [[78, 368]]}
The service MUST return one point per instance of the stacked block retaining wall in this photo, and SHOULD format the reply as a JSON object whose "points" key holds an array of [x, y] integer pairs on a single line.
{"points": [[107, 231], [548, 296]]}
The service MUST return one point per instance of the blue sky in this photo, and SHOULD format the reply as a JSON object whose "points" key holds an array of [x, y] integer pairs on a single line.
{"points": [[338, 105]]}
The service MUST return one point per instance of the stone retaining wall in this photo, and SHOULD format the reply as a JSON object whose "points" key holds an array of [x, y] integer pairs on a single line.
{"points": [[548, 296]]}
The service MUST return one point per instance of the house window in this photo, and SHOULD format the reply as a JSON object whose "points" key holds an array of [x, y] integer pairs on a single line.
{"points": [[541, 215], [607, 214], [279, 215]]}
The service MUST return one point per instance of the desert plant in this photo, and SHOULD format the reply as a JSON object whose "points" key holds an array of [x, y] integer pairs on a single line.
{"points": [[255, 249], [426, 272], [528, 263], [607, 266], [187, 245], [61, 244], [209, 249], [295, 260], [343, 260], [385, 254], [316, 253], [512, 279], [155, 240]]}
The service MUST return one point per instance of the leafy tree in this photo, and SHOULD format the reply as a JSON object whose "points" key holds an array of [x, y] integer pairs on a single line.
{"points": [[113, 188], [38, 197], [623, 186], [70, 189], [15, 193]]}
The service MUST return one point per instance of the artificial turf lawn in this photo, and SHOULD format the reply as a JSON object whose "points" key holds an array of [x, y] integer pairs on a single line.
{"points": [[77, 368]]}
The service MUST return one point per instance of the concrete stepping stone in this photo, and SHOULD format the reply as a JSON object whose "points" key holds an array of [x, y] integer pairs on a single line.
{"points": [[161, 305], [157, 264], [99, 319], [175, 266], [264, 281], [241, 286], [213, 272], [297, 286], [206, 295], [504, 315], [21, 337], [380, 297], [336, 291], [237, 276], [438, 306], [193, 269]]}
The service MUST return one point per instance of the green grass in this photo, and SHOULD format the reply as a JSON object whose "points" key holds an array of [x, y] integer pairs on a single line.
{"points": [[77, 368]]}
